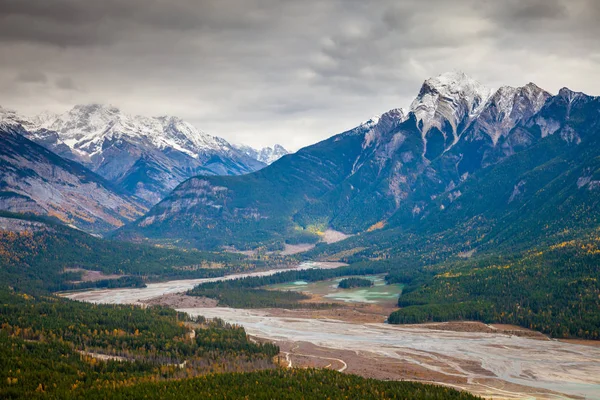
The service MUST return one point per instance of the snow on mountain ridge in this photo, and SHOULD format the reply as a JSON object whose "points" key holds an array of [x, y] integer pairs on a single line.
{"points": [[450, 103], [145, 156], [383, 123], [450, 97], [270, 155], [85, 128], [10, 118], [267, 155], [507, 106]]}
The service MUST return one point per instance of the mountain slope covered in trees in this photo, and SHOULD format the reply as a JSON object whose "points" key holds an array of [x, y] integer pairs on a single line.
{"points": [[39, 255], [554, 290]]}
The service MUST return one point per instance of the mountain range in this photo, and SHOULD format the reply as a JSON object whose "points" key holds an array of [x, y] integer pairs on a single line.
{"points": [[461, 155], [483, 203], [145, 156]]}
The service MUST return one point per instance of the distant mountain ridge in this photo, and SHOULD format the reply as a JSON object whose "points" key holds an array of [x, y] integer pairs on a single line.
{"points": [[147, 156], [402, 168], [267, 155]]}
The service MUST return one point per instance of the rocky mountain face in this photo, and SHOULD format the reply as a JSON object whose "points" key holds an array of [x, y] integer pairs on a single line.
{"points": [[35, 180], [266, 155], [445, 106], [544, 191], [146, 156], [400, 169]]}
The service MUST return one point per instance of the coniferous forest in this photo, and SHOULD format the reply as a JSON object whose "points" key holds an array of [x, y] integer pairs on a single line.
{"points": [[283, 384], [44, 259], [55, 348], [554, 290], [349, 283]]}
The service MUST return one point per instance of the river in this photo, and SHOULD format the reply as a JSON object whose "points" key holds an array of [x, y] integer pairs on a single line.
{"points": [[490, 364]]}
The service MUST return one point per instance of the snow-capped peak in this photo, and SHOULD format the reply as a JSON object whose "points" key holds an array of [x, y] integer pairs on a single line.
{"points": [[506, 96], [7, 115], [397, 115], [507, 107], [86, 127], [393, 116], [451, 97], [385, 123], [371, 121], [452, 84], [266, 155], [42, 119], [12, 118]]}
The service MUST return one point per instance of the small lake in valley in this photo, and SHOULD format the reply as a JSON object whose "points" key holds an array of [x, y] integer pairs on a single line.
{"points": [[379, 293]]}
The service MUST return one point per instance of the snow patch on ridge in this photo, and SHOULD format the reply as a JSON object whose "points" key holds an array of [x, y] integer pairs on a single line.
{"points": [[450, 97], [266, 155], [382, 124], [86, 127], [507, 107]]}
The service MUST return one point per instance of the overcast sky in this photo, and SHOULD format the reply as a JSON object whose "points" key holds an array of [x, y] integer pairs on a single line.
{"points": [[292, 72]]}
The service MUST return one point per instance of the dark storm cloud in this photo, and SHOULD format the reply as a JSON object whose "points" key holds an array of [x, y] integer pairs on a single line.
{"points": [[87, 22], [60, 22], [261, 71]]}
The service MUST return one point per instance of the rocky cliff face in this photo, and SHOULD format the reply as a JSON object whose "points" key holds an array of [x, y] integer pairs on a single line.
{"points": [[35, 180]]}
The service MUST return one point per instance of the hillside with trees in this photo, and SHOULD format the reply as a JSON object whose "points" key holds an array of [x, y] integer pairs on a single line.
{"points": [[282, 384], [350, 283], [39, 254], [554, 290], [56, 348]]}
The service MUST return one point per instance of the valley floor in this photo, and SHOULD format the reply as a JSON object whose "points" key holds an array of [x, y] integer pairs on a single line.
{"points": [[493, 361]]}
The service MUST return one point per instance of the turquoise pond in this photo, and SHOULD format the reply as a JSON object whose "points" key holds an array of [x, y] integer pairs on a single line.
{"points": [[379, 293]]}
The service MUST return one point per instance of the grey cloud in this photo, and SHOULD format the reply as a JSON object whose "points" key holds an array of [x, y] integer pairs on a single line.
{"points": [[560, 27], [178, 14], [21, 28], [31, 76], [263, 71], [535, 10], [66, 83], [543, 16], [64, 11], [84, 23]]}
